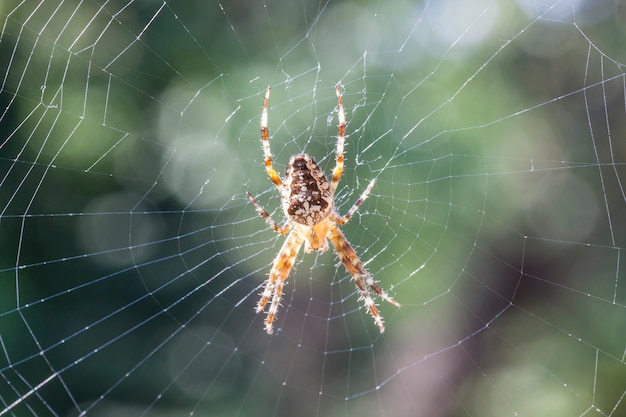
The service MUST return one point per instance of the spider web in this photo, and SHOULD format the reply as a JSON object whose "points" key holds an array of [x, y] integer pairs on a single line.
{"points": [[131, 259]]}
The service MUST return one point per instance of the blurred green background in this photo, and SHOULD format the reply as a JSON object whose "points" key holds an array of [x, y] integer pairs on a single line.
{"points": [[131, 260]]}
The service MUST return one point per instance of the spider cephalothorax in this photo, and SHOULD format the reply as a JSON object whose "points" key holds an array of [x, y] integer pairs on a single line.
{"points": [[307, 201]]}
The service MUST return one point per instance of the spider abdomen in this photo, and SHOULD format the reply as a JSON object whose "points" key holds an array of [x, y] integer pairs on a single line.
{"points": [[307, 197]]}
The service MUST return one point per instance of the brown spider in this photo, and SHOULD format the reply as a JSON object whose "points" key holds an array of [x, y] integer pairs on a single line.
{"points": [[307, 200]]}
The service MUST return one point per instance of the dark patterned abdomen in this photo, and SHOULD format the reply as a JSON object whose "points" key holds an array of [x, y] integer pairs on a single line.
{"points": [[307, 198]]}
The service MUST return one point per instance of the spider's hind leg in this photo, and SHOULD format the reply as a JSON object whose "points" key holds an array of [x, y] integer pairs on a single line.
{"points": [[268, 219], [265, 139], [341, 220], [341, 139]]}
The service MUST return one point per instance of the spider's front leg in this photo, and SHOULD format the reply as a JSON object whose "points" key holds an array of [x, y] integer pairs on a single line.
{"points": [[361, 277], [280, 271]]}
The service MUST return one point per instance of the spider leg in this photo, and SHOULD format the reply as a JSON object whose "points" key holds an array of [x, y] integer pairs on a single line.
{"points": [[341, 138], [280, 271], [268, 218], [341, 220], [361, 277], [265, 139]]}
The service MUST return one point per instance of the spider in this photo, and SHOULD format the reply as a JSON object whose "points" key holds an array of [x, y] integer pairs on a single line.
{"points": [[307, 201]]}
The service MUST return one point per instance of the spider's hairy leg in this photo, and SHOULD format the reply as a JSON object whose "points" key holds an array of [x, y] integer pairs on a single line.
{"points": [[268, 218], [344, 219], [265, 139], [361, 277], [280, 271], [341, 137]]}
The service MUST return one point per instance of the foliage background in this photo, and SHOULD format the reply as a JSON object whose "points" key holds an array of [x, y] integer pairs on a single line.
{"points": [[130, 259]]}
